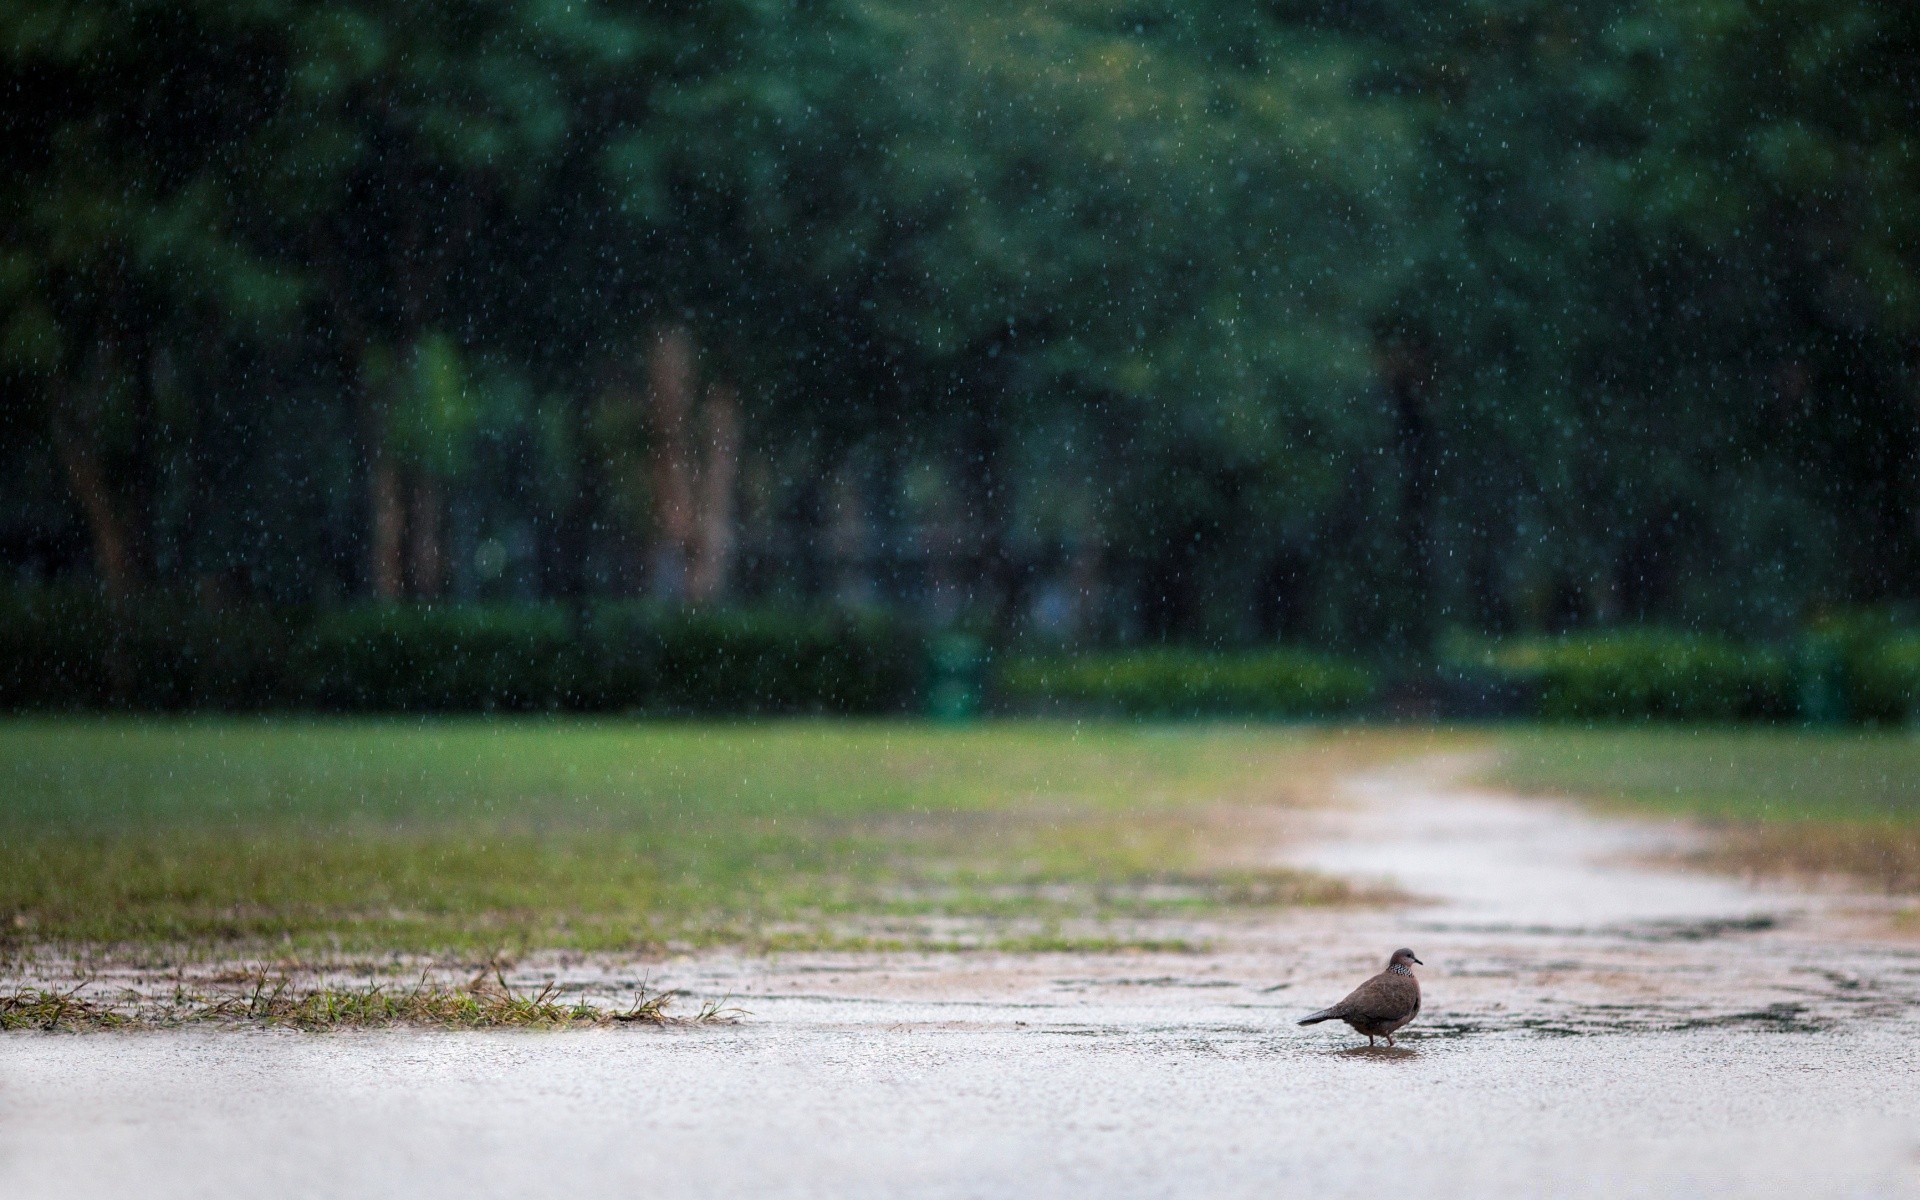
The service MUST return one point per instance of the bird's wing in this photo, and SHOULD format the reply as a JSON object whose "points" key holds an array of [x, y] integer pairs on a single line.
{"points": [[1385, 997], [1358, 999]]}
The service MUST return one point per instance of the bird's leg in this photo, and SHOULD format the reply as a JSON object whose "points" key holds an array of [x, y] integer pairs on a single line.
{"points": [[1389, 1041], [1369, 1041]]}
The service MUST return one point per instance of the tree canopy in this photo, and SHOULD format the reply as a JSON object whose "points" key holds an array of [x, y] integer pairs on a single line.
{"points": [[1343, 323]]}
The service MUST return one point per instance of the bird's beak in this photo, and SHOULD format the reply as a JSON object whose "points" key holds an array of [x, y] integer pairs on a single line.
{"points": [[1418, 961]]}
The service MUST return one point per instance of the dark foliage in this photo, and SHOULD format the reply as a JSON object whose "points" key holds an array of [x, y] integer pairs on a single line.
{"points": [[408, 658], [1343, 326], [742, 661], [64, 649], [1648, 674], [1173, 682]]}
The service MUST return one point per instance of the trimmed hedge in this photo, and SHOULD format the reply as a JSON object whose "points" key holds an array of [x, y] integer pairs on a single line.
{"points": [[692, 661], [415, 658], [61, 648], [52, 649], [1179, 682], [1646, 674], [1863, 669], [1885, 679], [58, 650]]}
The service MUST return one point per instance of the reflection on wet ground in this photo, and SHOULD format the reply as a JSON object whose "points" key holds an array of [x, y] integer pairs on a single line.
{"points": [[1379, 1053], [1593, 1026]]}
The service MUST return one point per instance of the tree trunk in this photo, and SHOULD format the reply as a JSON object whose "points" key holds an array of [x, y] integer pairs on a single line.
{"points": [[111, 523], [1085, 580], [386, 497], [1406, 368], [714, 530], [850, 536], [386, 494], [78, 407], [670, 390], [987, 513], [115, 555], [573, 535], [426, 535]]}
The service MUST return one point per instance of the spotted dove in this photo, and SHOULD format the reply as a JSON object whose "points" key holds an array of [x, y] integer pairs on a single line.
{"points": [[1381, 1004]]}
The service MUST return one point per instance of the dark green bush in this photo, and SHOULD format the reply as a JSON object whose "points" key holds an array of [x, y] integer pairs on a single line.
{"points": [[1885, 679], [426, 658], [692, 661], [1866, 656], [1179, 682], [1644, 674], [53, 648], [232, 657], [66, 648]]}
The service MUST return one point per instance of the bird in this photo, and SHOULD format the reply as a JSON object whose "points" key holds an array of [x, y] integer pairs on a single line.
{"points": [[1381, 1004]]}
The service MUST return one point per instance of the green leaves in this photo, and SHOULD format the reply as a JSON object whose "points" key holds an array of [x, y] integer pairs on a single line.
{"points": [[436, 408], [1604, 266]]}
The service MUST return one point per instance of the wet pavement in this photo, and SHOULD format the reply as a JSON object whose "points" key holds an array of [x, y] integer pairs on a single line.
{"points": [[1595, 1024]]}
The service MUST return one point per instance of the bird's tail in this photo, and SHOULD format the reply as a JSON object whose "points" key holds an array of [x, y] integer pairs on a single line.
{"points": [[1325, 1014]]}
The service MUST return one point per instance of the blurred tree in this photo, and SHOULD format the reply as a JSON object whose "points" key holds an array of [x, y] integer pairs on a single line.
{"points": [[1626, 260], [1347, 323], [411, 130], [121, 241], [956, 225], [1778, 154]]}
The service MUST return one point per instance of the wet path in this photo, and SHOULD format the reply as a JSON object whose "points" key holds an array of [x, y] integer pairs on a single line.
{"points": [[1548, 917], [1595, 1027]]}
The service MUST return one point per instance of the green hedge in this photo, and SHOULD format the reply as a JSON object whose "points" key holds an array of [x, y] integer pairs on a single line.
{"points": [[59, 649], [410, 659], [692, 661], [1884, 679], [1647, 674], [63, 648], [52, 648], [1862, 667], [1178, 682]]}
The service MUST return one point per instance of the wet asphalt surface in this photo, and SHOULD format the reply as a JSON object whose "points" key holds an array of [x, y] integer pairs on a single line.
{"points": [[1594, 1025]]}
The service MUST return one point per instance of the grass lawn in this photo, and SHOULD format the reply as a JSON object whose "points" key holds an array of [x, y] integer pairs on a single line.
{"points": [[1787, 801], [481, 835]]}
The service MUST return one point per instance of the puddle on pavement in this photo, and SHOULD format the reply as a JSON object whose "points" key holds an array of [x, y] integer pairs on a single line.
{"points": [[1378, 1053]]}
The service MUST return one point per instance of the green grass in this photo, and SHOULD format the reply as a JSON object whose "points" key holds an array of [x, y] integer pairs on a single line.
{"points": [[267, 1000], [1753, 774], [476, 835], [1785, 801]]}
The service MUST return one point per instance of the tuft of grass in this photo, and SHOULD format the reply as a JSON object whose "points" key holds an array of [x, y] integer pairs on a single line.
{"points": [[277, 1001], [49, 1009], [1781, 802]]}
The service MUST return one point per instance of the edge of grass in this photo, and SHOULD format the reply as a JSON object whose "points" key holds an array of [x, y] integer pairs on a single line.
{"points": [[276, 1001], [1760, 835]]}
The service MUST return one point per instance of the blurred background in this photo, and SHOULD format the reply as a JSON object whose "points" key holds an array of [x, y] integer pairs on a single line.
{"points": [[1436, 357]]}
